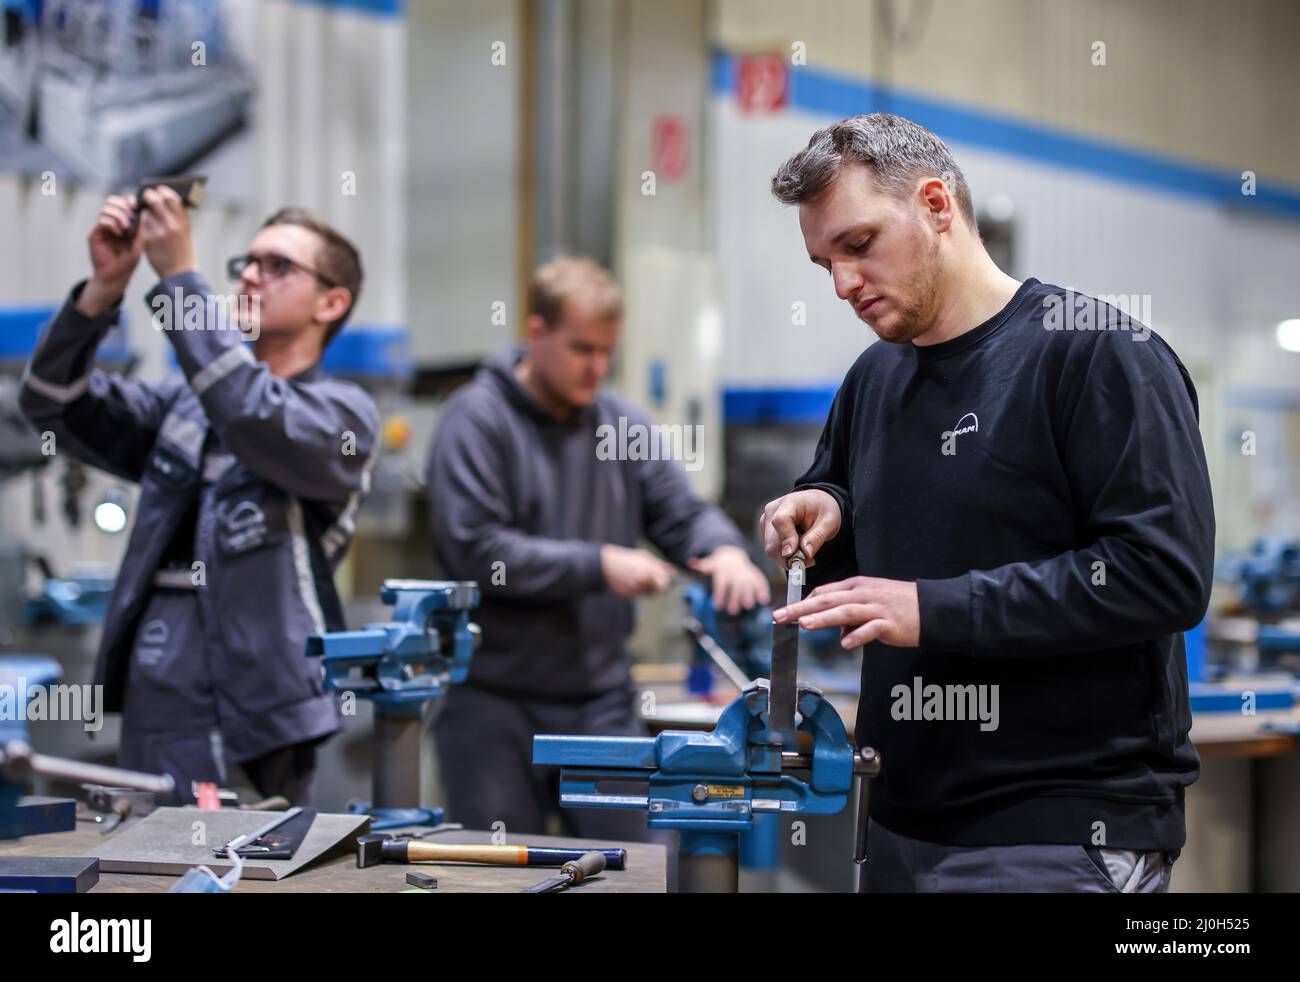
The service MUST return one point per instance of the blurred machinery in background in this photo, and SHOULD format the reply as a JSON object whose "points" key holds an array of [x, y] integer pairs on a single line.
{"points": [[39, 583], [771, 436], [1248, 653], [1268, 577], [20, 451], [78, 599], [1268, 583], [109, 85], [20, 446]]}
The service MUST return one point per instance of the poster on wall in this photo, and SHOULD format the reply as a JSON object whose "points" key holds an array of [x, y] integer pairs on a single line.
{"points": [[106, 92]]}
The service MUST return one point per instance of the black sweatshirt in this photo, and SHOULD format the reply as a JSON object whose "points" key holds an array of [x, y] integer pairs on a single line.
{"points": [[1047, 489]]}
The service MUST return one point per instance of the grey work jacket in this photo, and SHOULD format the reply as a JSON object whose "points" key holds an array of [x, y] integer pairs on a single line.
{"points": [[277, 467]]}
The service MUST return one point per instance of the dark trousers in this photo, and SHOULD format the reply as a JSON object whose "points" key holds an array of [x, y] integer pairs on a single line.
{"points": [[485, 754], [286, 771], [196, 755], [899, 864]]}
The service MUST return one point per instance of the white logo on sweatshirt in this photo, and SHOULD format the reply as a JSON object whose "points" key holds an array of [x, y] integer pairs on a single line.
{"points": [[970, 423]]}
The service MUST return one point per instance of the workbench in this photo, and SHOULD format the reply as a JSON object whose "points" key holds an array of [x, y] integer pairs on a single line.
{"points": [[1232, 735], [646, 869], [1241, 829]]}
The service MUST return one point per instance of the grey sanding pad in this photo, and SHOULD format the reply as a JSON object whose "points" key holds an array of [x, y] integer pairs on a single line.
{"points": [[169, 842]]}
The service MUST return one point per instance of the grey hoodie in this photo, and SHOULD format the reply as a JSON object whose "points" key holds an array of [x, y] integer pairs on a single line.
{"points": [[521, 503]]}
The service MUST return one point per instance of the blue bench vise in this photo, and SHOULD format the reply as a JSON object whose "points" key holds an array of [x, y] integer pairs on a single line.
{"points": [[710, 785], [404, 667], [739, 646]]}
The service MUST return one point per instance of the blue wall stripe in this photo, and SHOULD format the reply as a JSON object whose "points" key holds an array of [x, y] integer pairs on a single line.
{"points": [[380, 352], [362, 350], [381, 8], [1264, 398], [21, 325], [835, 95]]}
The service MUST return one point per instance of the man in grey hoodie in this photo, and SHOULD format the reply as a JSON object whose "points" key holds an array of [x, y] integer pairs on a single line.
{"points": [[528, 499]]}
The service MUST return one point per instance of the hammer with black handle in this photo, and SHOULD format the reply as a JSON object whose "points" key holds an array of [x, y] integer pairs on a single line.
{"points": [[380, 847]]}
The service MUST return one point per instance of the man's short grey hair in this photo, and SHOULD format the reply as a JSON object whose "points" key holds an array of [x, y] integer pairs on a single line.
{"points": [[898, 151]]}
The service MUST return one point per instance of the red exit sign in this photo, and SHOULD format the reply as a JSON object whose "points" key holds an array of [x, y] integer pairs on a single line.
{"points": [[762, 83], [670, 146]]}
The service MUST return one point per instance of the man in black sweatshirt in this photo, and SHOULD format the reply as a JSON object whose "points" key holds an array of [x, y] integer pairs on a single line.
{"points": [[541, 487], [1009, 509]]}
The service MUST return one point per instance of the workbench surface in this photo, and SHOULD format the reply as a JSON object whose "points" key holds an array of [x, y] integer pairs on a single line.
{"points": [[646, 869]]}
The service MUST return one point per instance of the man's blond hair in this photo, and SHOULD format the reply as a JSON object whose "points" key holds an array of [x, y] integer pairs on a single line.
{"points": [[576, 279]]}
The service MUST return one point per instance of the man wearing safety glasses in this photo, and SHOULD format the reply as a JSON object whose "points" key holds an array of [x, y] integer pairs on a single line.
{"points": [[251, 469]]}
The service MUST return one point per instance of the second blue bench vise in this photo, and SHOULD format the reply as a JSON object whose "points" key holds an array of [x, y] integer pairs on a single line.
{"points": [[404, 667], [401, 665]]}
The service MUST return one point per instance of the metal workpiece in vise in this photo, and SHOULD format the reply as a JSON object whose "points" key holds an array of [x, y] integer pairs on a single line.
{"points": [[20, 677], [404, 667]]}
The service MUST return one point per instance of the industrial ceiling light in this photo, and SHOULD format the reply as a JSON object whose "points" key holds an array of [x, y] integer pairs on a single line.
{"points": [[1288, 335], [110, 513]]}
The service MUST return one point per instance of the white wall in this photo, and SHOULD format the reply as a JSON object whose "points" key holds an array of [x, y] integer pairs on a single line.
{"points": [[462, 192], [1218, 281], [1200, 80]]}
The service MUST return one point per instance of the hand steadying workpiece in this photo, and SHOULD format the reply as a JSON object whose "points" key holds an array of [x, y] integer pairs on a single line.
{"points": [[864, 608]]}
